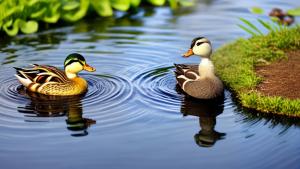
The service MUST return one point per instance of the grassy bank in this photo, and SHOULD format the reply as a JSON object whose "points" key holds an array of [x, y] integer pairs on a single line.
{"points": [[235, 64]]}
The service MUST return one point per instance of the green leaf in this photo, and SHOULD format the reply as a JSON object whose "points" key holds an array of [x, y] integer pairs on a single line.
{"points": [[135, 3], [103, 8], [75, 16], [257, 10], [39, 13], [157, 2], [71, 5], [14, 29], [251, 25], [29, 26], [122, 5], [32, 2], [55, 9], [294, 12], [52, 19], [8, 23], [186, 3], [8, 12], [53, 14], [247, 30], [173, 4]]}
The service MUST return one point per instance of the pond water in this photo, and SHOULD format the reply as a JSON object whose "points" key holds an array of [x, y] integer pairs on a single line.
{"points": [[133, 116]]}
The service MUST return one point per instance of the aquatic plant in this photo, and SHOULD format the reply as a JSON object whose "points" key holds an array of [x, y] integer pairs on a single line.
{"points": [[25, 15], [279, 20], [293, 12], [271, 26]]}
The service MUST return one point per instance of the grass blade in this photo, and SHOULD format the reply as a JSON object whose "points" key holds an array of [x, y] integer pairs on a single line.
{"points": [[265, 24], [247, 30], [275, 25], [251, 25]]}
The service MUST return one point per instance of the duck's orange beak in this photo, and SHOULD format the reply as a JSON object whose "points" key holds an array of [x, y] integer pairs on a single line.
{"points": [[188, 53], [89, 68]]}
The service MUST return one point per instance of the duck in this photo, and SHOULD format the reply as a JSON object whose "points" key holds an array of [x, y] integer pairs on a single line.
{"points": [[49, 80], [199, 81]]}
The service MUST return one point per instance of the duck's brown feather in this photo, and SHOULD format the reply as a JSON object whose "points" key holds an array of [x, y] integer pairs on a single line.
{"points": [[43, 74], [186, 73], [189, 80], [205, 88]]}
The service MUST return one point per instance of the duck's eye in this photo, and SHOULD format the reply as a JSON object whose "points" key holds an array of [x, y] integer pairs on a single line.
{"points": [[199, 43]]}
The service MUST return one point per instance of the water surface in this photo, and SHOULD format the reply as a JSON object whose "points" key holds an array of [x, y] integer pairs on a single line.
{"points": [[133, 116]]}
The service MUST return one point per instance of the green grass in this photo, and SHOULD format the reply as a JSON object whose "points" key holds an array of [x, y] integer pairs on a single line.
{"points": [[235, 64]]}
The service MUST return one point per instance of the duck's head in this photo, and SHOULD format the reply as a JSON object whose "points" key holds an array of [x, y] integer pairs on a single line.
{"points": [[75, 63], [200, 46]]}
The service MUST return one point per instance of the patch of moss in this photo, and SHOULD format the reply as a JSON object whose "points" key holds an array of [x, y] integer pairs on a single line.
{"points": [[235, 64]]}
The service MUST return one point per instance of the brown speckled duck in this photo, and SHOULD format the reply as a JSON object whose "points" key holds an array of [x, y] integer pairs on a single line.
{"points": [[199, 81], [50, 80]]}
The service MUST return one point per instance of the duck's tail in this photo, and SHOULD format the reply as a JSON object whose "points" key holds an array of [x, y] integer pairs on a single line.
{"points": [[179, 69], [22, 77]]}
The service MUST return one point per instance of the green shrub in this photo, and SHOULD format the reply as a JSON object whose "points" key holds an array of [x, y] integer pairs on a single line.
{"points": [[25, 15]]}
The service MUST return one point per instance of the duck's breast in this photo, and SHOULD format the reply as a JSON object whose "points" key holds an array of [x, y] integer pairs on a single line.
{"points": [[74, 87], [204, 88]]}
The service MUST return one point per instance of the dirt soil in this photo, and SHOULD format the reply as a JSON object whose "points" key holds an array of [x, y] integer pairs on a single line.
{"points": [[281, 78]]}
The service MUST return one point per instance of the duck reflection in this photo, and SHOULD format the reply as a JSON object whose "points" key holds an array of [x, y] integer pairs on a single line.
{"points": [[207, 111], [57, 106]]}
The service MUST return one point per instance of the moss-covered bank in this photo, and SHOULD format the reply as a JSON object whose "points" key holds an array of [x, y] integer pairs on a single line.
{"points": [[235, 64]]}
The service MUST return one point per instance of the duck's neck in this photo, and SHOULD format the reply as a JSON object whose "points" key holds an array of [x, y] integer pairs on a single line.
{"points": [[206, 68], [71, 75]]}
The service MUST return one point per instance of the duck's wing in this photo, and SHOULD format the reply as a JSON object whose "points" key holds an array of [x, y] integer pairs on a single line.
{"points": [[186, 73], [42, 74], [50, 74], [190, 71], [205, 88]]}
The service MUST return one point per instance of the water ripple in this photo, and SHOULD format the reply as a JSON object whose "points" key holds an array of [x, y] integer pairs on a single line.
{"points": [[132, 98], [104, 102], [157, 86]]}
